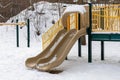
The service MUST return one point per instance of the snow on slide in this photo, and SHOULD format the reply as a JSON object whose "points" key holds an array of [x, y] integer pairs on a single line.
{"points": [[31, 62], [82, 9], [75, 8], [61, 51]]}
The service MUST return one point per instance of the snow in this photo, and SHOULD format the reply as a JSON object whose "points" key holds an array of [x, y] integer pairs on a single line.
{"points": [[105, 32], [12, 60], [12, 63], [75, 8], [56, 43]]}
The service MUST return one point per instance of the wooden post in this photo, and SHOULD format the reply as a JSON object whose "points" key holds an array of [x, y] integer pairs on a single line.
{"points": [[68, 23]]}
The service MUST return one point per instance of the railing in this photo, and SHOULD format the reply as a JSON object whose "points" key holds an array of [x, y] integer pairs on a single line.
{"points": [[106, 18], [17, 25]]}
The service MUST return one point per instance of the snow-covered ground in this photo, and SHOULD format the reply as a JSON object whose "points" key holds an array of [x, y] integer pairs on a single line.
{"points": [[12, 60]]}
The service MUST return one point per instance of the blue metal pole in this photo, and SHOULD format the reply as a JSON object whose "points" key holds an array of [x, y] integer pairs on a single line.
{"points": [[17, 33], [89, 34], [79, 40], [102, 50], [28, 33]]}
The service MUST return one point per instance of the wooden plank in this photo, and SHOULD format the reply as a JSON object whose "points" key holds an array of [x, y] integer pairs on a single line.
{"points": [[20, 23]]}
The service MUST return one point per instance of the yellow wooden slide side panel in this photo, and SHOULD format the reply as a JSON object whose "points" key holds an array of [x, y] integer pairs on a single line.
{"points": [[72, 23], [48, 36]]}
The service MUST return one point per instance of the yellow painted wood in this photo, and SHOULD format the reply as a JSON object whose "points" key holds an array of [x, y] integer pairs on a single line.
{"points": [[111, 17], [47, 37], [14, 24], [68, 23]]}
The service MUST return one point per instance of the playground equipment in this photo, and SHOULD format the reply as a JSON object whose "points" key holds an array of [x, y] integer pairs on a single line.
{"points": [[17, 25], [31, 62], [104, 25], [61, 51], [55, 53]]}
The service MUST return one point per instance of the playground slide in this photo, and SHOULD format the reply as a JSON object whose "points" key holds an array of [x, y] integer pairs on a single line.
{"points": [[61, 51], [31, 62]]}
